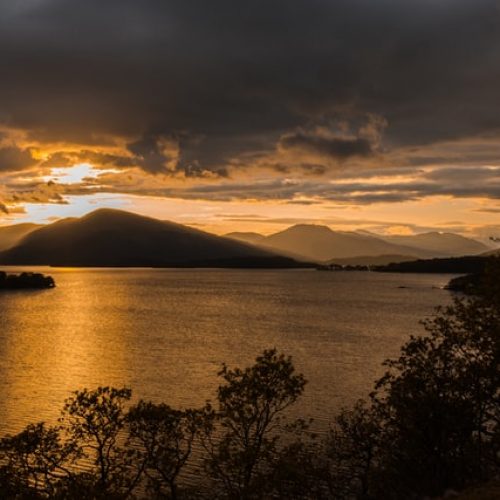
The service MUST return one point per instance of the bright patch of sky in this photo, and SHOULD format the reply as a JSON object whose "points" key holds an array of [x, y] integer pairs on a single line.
{"points": [[75, 174]]}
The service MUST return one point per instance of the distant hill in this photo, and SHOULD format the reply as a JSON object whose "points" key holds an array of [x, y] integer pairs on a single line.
{"points": [[12, 235], [378, 260], [441, 244], [253, 238], [321, 244], [113, 238], [494, 252]]}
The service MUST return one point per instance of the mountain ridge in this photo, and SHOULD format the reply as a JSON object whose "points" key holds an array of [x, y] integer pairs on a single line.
{"points": [[323, 244], [114, 238], [11, 235], [449, 244], [309, 242]]}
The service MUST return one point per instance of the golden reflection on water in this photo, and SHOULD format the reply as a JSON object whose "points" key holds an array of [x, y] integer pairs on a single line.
{"points": [[58, 346], [165, 332]]}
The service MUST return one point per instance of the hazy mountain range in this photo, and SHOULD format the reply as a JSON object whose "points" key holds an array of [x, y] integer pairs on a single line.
{"points": [[322, 244], [11, 235], [116, 238]]}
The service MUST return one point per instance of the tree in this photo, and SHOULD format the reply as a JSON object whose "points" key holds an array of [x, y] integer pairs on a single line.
{"points": [[95, 422], [34, 462], [433, 422], [162, 439], [353, 451], [244, 447], [303, 470]]}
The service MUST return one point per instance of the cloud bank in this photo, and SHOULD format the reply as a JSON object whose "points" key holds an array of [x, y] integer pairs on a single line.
{"points": [[233, 99]]}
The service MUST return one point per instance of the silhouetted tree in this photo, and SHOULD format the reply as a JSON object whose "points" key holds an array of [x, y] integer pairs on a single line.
{"points": [[353, 450], [243, 450], [443, 397], [95, 422], [433, 422], [303, 471], [34, 462], [162, 439]]}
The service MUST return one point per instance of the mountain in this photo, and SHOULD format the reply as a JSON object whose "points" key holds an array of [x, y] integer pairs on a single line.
{"points": [[116, 238], [321, 244], [113, 238], [12, 235], [495, 252], [252, 238], [441, 244]]}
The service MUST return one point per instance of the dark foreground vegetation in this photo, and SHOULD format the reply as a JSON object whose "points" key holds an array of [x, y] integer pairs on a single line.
{"points": [[484, 281], [25, 281], [431, 424]]}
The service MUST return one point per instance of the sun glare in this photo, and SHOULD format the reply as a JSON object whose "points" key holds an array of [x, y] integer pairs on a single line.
{"points": [[72, 175]]}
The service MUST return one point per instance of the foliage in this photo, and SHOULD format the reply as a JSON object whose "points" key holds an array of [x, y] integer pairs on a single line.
{"points": [[303, 470], [94, 421], [354, 449], [162, 439], [440, 400], [433, 420], [34, 461], [249, 420]]}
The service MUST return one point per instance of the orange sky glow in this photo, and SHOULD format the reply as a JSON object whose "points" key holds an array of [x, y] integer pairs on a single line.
{"points": [[378, 116]]}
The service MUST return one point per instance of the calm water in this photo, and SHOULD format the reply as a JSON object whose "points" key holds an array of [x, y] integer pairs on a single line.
{"points": [[166, 332]]}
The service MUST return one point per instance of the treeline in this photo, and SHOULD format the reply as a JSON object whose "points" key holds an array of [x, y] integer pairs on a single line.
{"points": [[431, 424], [453, 265]]}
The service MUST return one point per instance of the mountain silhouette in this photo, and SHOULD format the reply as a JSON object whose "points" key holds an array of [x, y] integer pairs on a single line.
{"points": [[495, 253], [12, 235], [321, 244], [111, 238], [248, 237], [442, 244]]}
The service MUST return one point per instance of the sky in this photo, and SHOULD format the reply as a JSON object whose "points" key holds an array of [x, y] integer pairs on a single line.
{"points": [[381, 115]]}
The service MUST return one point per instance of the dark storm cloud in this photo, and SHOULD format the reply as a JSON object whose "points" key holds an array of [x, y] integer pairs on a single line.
{"points": [[150, 155], [332, 147], [13, 158], [169, 153], [236, 76]]}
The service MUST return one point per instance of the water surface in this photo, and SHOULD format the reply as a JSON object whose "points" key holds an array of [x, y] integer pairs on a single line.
{"points": [[165, 333]]}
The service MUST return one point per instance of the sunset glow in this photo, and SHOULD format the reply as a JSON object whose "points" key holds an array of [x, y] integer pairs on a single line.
{"points": [[233, 155]]}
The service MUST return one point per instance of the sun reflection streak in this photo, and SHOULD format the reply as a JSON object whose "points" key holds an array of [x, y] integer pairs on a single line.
{"points": [[69, 347]]}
